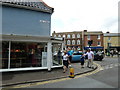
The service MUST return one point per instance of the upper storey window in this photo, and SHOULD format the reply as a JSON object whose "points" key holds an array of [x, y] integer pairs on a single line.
{"points": [[73, 36], [78, 35], [68, 36]]}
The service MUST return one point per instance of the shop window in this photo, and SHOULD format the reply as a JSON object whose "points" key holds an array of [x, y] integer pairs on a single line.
{"points": [[57, 54], [26, 54], [5, 55]]}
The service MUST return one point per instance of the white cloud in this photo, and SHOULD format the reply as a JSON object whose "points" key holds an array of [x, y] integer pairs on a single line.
{"points": [[77, 15]]}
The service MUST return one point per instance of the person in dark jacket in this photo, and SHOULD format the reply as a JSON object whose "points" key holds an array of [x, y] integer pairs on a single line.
{"points": [[82, 60]]}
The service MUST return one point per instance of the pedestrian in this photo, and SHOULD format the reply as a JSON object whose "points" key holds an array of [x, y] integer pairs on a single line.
{"points": [[59, 56], [82, 60], [112, 53], [90, 56], [65, 62], [70, 52]]}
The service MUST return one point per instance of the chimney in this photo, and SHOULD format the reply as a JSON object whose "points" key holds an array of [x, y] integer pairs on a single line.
{"points": [[107, 32], [53, 31], [85, 30]]}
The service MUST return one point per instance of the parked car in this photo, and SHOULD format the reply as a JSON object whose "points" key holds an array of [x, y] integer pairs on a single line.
{"points": [[76, 56], [98, 56]]}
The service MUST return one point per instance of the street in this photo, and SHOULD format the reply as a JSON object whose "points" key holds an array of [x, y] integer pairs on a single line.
{"points": [[106, 78]]}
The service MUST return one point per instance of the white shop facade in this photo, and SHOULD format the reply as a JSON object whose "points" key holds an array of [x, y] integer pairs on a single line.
{"points": [[22, 53]]}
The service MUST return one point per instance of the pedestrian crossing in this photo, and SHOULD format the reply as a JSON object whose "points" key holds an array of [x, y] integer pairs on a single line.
{"points": [[110, 66]]}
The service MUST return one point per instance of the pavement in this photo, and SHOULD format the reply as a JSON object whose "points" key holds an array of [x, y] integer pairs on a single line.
{"points": [[22, 77]]}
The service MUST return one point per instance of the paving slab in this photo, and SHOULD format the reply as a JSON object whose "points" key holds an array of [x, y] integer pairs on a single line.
{"points": [[19, 77]]}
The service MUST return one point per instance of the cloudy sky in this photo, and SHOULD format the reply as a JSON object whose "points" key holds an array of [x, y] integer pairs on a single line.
{"points": [[77, 15]]}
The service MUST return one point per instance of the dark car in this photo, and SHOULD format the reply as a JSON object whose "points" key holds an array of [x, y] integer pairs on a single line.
{"points": [[98, 56]]}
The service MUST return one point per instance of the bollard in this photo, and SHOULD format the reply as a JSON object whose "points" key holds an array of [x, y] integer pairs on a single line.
{"points": [[72, 73]]}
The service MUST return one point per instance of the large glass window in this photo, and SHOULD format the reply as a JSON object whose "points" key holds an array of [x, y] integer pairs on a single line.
{"points": [[5, 55], [57, 54], [27, 54]]}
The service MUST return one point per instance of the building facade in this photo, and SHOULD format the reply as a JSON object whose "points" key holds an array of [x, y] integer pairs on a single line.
{"points": [[26, 42], [111, 41], [79, 40], [71, 39], [96, 37]]}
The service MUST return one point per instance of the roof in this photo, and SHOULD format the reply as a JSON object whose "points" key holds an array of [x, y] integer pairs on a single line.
{"points": [[111, 34], [37, 5], [74, 32], [93, 32]]}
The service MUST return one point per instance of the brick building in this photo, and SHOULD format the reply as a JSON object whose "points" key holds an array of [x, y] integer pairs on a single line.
{"points": [[71, 39], [96, 37], [80, 39]]}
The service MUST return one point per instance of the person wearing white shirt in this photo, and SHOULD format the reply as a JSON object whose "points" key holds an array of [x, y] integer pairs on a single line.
{"points": [[65, 62], [90, 55]]}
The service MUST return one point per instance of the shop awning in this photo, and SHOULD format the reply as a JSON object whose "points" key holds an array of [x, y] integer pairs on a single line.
{"points": [[93, 47]]}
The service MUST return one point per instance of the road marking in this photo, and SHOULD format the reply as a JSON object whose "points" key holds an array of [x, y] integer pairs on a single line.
{"points": [[58, 80], [116, 65], [110, 66]]}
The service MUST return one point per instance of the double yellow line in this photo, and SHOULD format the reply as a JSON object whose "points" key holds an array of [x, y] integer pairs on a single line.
{"points": [[58, 80]]}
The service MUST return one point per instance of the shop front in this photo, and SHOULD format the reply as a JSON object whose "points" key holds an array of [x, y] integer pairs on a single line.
{"points": [[95, 48], [30, 53]]}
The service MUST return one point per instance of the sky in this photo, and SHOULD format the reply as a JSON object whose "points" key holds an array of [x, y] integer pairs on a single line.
{"points": [[79, 15]]}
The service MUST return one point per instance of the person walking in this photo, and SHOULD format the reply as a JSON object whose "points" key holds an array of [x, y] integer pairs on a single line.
{"points": [[90, 56], [65, 62], [70, 52], [82, 60]]}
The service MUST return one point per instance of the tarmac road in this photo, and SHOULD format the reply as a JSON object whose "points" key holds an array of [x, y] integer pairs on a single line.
{"points": [[107, 77]]}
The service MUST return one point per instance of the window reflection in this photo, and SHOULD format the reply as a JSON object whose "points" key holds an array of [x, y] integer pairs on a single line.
{"points": [[26, 54], [57, 54], [5, 54]]}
